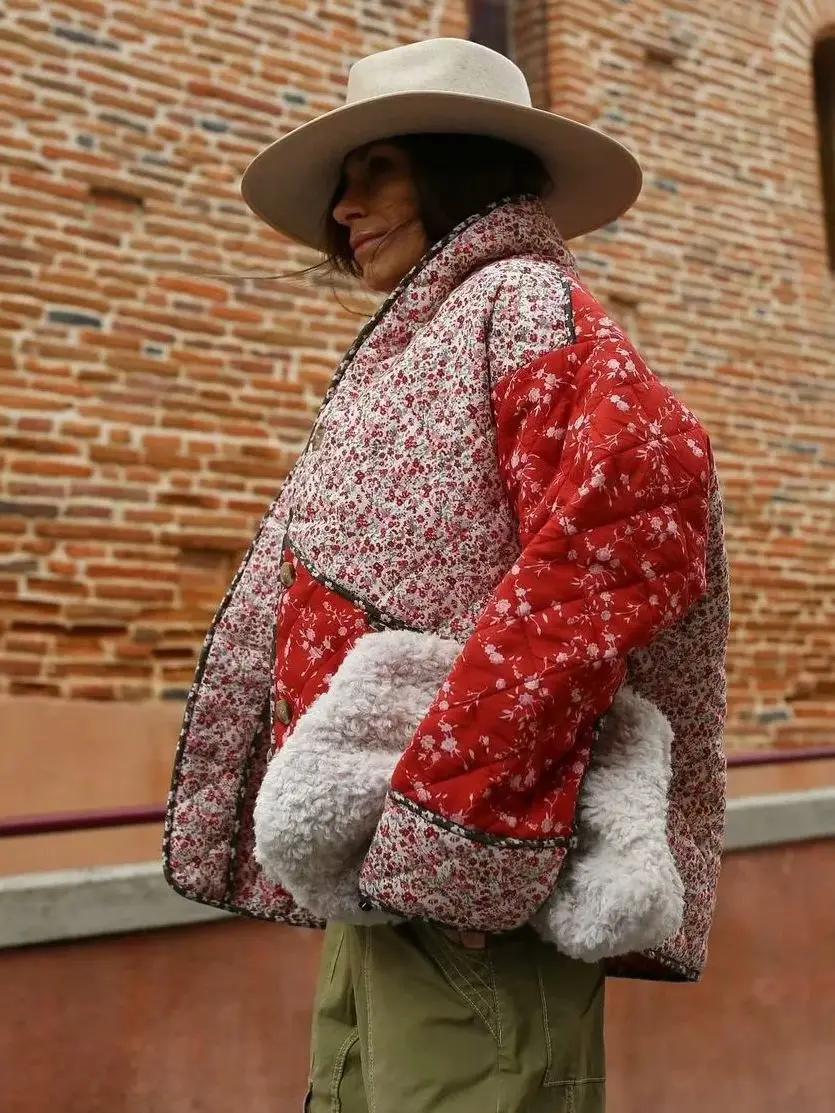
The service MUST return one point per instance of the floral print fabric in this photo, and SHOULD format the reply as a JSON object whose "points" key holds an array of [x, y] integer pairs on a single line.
{"points": [[493, 462]]}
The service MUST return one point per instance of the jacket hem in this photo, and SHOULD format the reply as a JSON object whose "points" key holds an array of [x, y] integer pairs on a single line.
{"points": [[652, 966]]}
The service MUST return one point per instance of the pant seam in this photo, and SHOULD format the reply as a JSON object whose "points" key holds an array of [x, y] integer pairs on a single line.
{"points": [[339, 1070], [449, 948], [498, 1035], [590, 1080], [335, 959], [452, 975], [495, 996], [472, 983], [472, 979], [366, 977], [546, 1023]]}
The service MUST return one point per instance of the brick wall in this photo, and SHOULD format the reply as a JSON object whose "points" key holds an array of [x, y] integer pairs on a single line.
{"points": [[149, 408], [148, 412], [721, 274]]}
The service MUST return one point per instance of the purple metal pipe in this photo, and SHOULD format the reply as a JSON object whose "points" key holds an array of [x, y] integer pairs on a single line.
{"points": [[61, 822], [780, 757]]}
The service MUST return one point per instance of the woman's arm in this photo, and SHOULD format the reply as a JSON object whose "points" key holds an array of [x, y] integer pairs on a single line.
{"points": [[609, 476]]}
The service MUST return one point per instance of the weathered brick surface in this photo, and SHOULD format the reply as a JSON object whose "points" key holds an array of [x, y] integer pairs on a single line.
{"points": [[152, 396]]}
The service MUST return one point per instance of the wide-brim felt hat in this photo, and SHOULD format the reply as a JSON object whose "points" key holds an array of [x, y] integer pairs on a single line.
{"points": [[439, 85]]}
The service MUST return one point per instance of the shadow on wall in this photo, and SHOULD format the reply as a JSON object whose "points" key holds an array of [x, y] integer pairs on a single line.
{"points": [[214, 1018]]}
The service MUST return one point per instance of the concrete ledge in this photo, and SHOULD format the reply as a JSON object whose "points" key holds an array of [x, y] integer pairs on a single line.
{"points": [[104, 900], [784, 817]]}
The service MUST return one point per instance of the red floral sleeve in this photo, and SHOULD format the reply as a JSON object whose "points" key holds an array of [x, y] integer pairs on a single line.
{"points": [[609, 474]]}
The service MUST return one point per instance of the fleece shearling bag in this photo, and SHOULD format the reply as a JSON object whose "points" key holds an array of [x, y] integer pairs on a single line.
{"points": [[619, 891], [324, 792]]}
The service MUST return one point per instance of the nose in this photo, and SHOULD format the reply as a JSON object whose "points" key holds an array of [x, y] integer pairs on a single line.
{"points": [[350, 207]]}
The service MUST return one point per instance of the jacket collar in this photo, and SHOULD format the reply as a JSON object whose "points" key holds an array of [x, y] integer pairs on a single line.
{"points": [[513, 227], [518, 226]]}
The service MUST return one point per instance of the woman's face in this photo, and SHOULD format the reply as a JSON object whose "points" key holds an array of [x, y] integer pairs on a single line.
{"points": [[379, 207]]}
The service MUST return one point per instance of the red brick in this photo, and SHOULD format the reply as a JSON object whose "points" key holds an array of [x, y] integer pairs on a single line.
{"points": [[127, 650], [48, 468], [79, 429], [100, 692], [123, 571], [45, 445], [84, 551], [38, 183], [35, 424], [14, 400], [115, 670], [108, 340], [58, 155], [71, 531], [113, 454], [39, 586], [236, 370], [18, 666], [234, 313], [62, 567], [197, 289], [130, 106], [39, 43], [95, 77], [230, 95], [135, 593], [33, 688]]}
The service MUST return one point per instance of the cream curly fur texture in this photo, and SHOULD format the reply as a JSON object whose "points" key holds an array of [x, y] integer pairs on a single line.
{"points": [[324, 791], [620, 891]]}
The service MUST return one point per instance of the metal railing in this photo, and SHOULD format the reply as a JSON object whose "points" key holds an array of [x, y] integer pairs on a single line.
{"points": [[54, 823]]}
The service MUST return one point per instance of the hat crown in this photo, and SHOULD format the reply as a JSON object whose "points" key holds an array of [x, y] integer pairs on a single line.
{"points": [[439, 66]]}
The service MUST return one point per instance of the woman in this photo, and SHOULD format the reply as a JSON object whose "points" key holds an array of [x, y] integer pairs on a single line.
{"points": [[479, 638]]}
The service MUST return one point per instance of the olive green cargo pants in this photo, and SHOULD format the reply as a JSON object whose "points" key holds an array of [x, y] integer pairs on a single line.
{"points": [[409, 1021]]}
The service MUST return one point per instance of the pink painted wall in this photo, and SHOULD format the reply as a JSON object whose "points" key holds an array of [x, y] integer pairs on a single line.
{"points": [[65, 755], [214, 1018]]}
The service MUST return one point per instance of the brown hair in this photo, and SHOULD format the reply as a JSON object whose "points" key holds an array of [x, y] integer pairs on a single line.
{"points": [[456, 176]]}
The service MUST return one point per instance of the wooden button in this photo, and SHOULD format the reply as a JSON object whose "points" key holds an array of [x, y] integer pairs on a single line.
{"points": [[284, 712], [287, 574]]}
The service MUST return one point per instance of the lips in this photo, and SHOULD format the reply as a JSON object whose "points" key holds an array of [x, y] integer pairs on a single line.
{"points": [[366, 239]]}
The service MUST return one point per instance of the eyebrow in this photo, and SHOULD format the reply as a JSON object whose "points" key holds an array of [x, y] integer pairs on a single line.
{"points": [[358, 157]]}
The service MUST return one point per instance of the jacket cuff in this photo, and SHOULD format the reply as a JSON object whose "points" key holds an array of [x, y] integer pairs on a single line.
{"points": [[324, 790], [421, 866]]}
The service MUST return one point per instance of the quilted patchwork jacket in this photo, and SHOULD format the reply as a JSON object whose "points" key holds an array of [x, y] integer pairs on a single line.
{"points": [[493, 464]]}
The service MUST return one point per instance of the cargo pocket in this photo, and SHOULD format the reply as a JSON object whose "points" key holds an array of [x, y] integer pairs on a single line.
{"points": [[572, 998], [335, 1070]]}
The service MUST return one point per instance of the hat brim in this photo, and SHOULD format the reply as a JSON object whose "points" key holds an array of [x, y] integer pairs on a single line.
{"points": [[289, 185]]}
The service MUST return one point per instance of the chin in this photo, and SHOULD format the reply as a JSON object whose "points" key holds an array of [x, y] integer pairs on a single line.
{"points": [[382, 273], [379, 282]]}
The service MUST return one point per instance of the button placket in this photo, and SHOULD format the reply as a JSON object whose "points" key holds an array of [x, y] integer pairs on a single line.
{"points": [[284, 712]]}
